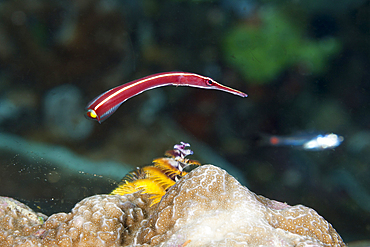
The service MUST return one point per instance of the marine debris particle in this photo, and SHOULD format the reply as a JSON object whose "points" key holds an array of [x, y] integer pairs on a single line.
{"points": [[159, 177], [206, 207]]}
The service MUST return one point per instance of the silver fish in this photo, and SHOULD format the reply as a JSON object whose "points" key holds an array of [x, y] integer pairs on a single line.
{"points": [[313, 142]]}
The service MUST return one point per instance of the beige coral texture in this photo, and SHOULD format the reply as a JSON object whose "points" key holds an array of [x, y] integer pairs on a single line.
{"points": [[207, 207]]}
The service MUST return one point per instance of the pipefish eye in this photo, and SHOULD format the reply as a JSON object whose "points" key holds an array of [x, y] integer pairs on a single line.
{"points": [[92, 114], [210, 82]]}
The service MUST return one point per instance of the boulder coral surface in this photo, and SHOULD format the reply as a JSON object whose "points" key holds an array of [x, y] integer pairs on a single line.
{"points": [[207, 207]]}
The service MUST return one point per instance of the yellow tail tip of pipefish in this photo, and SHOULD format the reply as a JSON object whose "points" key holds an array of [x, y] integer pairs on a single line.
{"points": [[91, 114]]}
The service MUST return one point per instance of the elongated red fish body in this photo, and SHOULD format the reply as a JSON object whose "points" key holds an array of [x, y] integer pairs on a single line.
{"points": [[107, 103]]}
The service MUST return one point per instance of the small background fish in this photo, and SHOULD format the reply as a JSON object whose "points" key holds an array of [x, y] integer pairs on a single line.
{"points": [[311, 142]]}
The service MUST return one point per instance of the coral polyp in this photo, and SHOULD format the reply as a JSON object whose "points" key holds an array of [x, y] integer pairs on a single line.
{"points": [[207, 207]]}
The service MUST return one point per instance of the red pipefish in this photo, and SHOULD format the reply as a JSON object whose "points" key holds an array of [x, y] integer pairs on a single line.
{"points": [[108, 102]]}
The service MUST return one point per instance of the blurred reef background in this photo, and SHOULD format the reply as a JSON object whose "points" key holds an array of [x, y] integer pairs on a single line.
{"points": [[304, 64]]}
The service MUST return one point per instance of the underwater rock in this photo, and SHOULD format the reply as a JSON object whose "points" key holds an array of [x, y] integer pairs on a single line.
{"points": [[207, 207]]}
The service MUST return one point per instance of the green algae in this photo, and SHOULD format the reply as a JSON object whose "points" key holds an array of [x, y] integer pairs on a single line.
{"points": [[261, 51]]}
